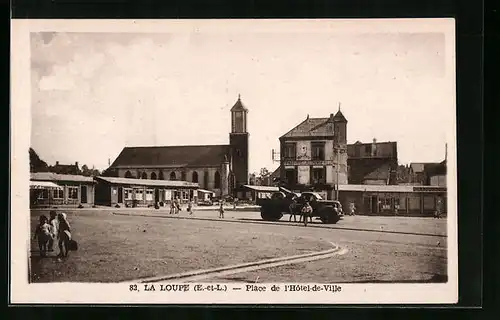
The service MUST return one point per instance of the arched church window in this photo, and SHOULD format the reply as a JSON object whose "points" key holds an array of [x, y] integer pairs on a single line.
{"points": [[153, 176], [183, 176], [128, 174], [160, 176], [217, 180], [144, 175], [172, 176], [195, 177]]}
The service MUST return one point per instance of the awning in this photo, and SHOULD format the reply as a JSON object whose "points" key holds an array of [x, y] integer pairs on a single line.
{"points": [[44, 185], [205, 191], [262, 188]]}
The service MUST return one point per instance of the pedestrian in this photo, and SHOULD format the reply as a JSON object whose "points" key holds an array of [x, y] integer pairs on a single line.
{"points": [[292, 207], [179, 207], [352, 209], [64, 234], [54, 227], [307, 212], [190, 206], [43, 234], [172, 207], [221, 208], [235, 203], [437, 213]]}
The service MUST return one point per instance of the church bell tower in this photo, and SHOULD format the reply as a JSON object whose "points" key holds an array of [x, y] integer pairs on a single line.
{"points": [[238, 140]]}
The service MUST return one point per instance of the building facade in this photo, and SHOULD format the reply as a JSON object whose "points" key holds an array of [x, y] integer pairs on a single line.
{"points": [[112, 191], [313, 155], [74, 190], [222, 169], [373, 163]]}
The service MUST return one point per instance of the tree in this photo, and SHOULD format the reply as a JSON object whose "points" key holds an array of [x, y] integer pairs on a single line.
{"points": [[37, 164], [264, 177]]}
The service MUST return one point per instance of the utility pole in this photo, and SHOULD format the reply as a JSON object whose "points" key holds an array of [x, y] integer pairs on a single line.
{"points": [[337, 188]]}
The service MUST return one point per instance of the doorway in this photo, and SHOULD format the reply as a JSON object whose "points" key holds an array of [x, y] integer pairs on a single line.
{"points": [[83, 193], [157, 195], [120, 195], [374, 204]]}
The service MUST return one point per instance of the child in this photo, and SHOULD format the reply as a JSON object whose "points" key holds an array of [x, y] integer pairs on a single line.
{"points": [[43, 234], [64, 234], [306, 212], [54, 226], [221, 209]]}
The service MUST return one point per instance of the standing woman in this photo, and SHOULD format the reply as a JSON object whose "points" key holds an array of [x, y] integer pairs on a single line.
{"points": [[64, 234]]}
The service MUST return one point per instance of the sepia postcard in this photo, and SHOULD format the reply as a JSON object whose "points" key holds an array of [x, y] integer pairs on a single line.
{"points": [[233, 162]]}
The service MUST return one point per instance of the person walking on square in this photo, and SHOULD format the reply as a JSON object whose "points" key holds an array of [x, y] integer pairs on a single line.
{"points": [[235, 203], [172, 207], [352, 209], [221, 209], [190, 206]]}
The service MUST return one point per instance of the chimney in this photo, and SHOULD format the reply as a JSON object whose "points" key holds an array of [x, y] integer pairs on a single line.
{"points": [[374, 147], [57, 163], [76, 164]]}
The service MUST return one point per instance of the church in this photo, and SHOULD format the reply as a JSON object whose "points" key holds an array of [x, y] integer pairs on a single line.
{"points": [[222, 169]]}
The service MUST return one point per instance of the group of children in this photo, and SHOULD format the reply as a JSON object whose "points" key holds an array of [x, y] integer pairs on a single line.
{"points": [[50, 229]]}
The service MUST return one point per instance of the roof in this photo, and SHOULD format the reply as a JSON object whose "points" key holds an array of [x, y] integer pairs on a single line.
{"points": [[147, 182], [431, 168], [172, 156], [50, 176], [389, 188], [44, 185], [262, 188], [310, 127], [381, 173], [238, 106], [339, 117]]}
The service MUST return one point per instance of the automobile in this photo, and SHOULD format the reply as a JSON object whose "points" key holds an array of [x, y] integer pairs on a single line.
{"points": [[286, 202]]}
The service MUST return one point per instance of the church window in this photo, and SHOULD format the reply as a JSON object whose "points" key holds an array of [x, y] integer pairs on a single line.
{"points": [[195, 176], [160, 176], [217, 180], [172, 176], [144, 175], [128, 174], [183, 176], [153, 176]]}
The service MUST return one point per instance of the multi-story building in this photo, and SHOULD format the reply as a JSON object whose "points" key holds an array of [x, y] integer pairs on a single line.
{"points": [[373, 163], [314, 155]]}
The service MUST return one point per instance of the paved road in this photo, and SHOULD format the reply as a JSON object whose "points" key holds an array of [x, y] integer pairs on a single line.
{"points": [[379, 249]]}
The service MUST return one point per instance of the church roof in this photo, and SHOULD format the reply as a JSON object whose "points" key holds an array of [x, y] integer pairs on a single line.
{"points": [[172, 156], [238, 106]]}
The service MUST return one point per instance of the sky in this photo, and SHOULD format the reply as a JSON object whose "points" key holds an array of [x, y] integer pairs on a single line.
{"points": [[94, 93]]}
